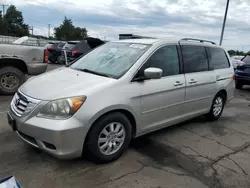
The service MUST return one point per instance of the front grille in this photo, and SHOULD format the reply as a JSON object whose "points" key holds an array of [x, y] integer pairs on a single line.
{"points": [[22, 104]]}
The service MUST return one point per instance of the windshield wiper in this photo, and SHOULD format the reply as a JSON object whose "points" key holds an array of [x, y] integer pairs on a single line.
{"points": [[93, 72]]}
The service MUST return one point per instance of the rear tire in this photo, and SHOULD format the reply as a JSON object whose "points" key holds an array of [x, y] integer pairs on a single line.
{"points": [[53, 59], [217, 107], [112, 145], [238, 85], [11, 79]]}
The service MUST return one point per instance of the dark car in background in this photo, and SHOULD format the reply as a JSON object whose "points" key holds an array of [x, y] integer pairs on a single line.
{"points": [[75, 49], [242, 73], [54, 49]]}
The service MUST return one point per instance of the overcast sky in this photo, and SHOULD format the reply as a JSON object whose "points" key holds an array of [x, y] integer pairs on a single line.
{"points": [[158, 18]]}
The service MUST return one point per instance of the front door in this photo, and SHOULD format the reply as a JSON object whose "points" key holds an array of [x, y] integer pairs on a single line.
{"points": [[162, 99]]}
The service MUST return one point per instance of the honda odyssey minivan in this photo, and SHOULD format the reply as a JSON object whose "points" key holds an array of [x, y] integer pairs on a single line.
{"points": [[119, 91]]}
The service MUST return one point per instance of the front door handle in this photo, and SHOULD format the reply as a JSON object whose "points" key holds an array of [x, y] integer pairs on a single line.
{"points": [[178, 83], [192, 81]]}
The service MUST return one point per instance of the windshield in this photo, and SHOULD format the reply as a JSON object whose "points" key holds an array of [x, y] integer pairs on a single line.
{"points": [[111, 59], [246, 59]]}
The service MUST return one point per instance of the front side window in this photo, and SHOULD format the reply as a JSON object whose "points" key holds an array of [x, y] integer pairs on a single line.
{"points": [[217, 58], [112, 59], [194, 58], [165, 58]]}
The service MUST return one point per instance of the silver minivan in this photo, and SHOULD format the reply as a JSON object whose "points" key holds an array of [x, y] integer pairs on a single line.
{"points": [[119, 91]]}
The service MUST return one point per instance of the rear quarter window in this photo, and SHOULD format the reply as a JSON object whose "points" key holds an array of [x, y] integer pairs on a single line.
{"points": [[217, 58]]}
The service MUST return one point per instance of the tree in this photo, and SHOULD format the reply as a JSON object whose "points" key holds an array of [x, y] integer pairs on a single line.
{"points": [[14, 23], [237, 52], [67, 31], [231, 52], [2, 26]]}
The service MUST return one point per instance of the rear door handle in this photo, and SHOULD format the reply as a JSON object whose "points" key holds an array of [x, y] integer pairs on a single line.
{"points": [[192, 81], [178, 83]]}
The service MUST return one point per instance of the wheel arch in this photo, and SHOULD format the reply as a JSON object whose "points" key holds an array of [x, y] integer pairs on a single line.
{"points": [[224, 92], [14, 62], [126, 112]]}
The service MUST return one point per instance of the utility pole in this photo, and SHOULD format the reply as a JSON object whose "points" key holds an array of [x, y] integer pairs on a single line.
{"points": [[224, 23], [3, 5], [32, 30], [49, 30]]}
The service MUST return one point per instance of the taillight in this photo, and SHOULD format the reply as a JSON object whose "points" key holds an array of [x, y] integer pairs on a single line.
{"points": [[51, 49], [45, 56], [75, 52]]}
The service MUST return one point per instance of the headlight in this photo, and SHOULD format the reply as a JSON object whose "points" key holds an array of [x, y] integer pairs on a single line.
{"points": [[62, 108]]}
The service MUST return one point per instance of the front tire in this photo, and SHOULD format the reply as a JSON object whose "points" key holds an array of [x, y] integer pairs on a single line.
{"points": [[11, 79], [109, 137], [217, 107]]}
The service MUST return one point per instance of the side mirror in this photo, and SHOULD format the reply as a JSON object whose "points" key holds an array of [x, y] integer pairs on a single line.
{"points": [[152, 73]]}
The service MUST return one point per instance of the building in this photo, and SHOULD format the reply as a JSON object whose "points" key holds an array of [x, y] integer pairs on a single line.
{"points": [[131, 36]]}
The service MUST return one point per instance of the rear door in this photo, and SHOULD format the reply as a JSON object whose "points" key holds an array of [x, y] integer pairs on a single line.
{"points": [[200, 80], [219, 62]]}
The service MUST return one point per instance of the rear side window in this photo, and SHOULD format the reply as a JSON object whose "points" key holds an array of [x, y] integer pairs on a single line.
{"points": [[217, 58], [194, 58], [82, 47], [69, 46], [246, 59], [61, 45]]}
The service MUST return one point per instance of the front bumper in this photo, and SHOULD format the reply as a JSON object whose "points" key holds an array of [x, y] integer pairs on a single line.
{"points": [[63, 139], [243, 79]]}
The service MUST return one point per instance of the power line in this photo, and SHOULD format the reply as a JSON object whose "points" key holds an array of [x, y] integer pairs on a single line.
{"points": [[3, 5]]}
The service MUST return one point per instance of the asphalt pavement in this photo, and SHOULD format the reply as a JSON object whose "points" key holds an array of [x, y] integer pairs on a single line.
{"points": [[194, 154]]}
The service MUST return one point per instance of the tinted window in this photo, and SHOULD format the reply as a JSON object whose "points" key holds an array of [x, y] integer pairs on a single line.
{"points": [[194, 58], [246, 59], [82, 47], [165, 58], [69, 46], [61, 45], [217, 58]]}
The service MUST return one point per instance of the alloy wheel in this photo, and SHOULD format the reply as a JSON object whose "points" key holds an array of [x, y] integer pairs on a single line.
{"points": [[111, 138], [218, 106]]}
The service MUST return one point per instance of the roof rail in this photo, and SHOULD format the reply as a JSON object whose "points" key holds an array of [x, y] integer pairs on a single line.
{"points": [[200, 40]]}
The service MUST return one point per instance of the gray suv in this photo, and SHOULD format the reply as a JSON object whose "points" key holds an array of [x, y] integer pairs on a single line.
{"points": [[119, 91]]}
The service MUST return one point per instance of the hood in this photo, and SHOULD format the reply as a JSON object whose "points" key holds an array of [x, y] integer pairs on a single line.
{"points": [[61, 83]]}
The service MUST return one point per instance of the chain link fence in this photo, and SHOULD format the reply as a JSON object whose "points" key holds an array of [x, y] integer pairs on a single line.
{"points": [[29, 42]]}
